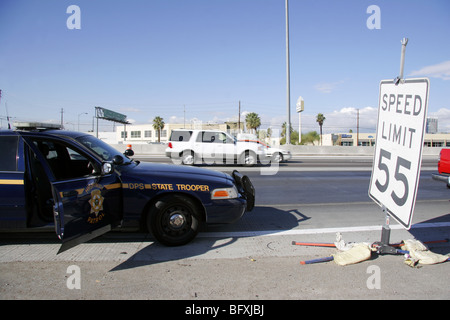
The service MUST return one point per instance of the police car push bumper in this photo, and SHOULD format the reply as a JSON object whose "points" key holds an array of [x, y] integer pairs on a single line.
{"points": [[244, 183], [230, 204]]}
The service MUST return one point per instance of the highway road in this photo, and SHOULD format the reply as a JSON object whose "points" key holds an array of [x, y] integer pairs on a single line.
{"points": [[308, 199], [309, 163], [329, 192]]}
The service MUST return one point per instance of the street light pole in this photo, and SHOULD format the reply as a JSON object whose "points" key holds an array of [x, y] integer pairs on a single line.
{"points": [[300, 107], [79, 119], [288, 122]]}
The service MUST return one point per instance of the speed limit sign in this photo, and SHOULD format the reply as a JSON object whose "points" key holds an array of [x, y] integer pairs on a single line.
{"points": [[402, 111]]}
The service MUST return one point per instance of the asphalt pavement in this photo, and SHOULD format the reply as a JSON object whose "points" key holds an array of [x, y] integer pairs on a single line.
{"points": [[253, 259]]}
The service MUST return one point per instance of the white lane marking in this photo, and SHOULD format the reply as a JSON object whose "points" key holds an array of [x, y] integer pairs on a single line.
{"points": [[314, 231]]}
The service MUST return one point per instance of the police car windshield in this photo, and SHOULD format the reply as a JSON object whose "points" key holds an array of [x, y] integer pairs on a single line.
{"points": [[102, 149]]}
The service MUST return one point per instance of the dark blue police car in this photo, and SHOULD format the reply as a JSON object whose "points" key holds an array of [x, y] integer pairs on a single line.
{"points": [[85, 188]]}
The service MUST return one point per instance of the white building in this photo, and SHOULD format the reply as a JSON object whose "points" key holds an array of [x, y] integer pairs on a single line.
{"points": [[368, 139], [145, 133]]}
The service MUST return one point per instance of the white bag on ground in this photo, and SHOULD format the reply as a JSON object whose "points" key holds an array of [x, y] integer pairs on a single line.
{"points": [[419, 252], [357, 253], [341, 245]]}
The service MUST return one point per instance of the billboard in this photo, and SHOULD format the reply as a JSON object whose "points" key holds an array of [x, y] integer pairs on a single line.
{"points": [[110, 115]]}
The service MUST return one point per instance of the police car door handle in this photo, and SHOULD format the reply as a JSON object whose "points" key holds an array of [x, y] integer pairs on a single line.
{"points": [[70, 194]]}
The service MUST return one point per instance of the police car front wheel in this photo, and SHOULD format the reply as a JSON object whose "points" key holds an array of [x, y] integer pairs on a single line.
{"points": [[173, 220]]}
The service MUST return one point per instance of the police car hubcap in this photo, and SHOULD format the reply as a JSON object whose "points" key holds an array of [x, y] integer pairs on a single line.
{"points": [[177, 220]]}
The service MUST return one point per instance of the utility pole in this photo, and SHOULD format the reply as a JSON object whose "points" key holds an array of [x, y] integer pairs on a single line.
{"points": [[0, 103], [62, 118], [357, 127], [96, 115], [7, 113], [288, 122], [239, 118]]}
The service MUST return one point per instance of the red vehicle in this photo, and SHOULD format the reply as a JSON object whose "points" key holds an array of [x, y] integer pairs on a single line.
{"points": [[444, 167]]}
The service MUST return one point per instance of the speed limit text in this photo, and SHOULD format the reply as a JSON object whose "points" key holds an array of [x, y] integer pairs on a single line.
{"points": [[407, 104]]}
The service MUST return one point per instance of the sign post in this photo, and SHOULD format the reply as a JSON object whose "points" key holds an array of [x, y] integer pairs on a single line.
{"points": [[402, 111], [102, 113]]}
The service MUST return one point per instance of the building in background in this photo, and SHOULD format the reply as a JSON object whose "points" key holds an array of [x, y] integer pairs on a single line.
{"points": [[369, 139], [432, 125], [145, 133]]}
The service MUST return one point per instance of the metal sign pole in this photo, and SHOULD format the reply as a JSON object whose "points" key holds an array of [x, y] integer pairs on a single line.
{"points": [[383, 245], [404, 42]]}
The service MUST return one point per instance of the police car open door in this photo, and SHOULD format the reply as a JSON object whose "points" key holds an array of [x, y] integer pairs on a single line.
{"points": [[86, 201], [85, 209]]}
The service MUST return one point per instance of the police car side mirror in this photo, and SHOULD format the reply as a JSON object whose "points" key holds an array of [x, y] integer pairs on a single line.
{"points": [[117, 160], [129, 153], [107, 168]]}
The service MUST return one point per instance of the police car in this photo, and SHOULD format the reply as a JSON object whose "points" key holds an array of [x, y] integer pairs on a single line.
{"points": [[85, 188]]}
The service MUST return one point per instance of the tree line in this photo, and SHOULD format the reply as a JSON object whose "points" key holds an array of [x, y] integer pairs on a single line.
{"points": [[253, 122]]}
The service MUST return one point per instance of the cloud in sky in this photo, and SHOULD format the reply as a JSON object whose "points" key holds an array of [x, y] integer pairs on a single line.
{"points": [[327, 87], [338, 121], [346, 118], [176, 119], [443, 116], [130, 109], [440, 70]]}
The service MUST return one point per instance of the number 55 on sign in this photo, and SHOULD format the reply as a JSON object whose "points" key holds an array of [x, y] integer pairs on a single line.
{"points": [[402, 111]]}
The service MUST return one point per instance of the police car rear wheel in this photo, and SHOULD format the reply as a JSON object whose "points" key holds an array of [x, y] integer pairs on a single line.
{"points": [[173, 220]]}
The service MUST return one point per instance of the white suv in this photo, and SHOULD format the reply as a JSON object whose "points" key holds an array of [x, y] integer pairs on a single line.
{"points": [[214, 146]]}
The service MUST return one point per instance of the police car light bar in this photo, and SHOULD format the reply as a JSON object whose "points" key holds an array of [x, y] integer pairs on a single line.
{"points": [[36, 126]]}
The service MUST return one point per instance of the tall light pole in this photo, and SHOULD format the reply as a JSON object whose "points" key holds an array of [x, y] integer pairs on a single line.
{"points": [[79, 119], [288, 122], [300, 107]]}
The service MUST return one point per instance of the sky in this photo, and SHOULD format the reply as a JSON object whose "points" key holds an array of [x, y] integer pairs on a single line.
{"points": [[186, 60]]}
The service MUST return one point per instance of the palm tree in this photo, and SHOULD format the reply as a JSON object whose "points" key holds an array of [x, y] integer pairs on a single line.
{"points": [[310, 137], [252, 120], [158, 125], [269, 132], [320, 119]]}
